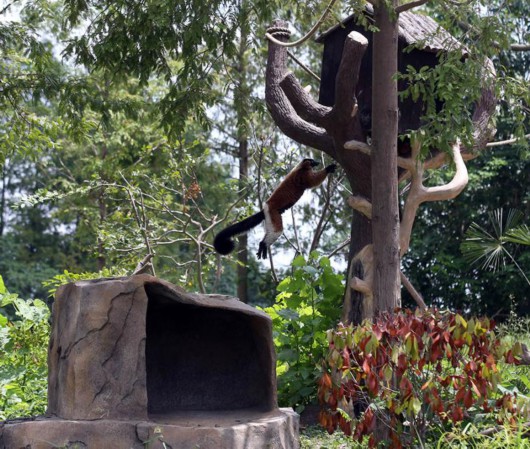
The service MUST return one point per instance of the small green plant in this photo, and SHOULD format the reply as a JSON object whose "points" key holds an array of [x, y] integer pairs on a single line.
{"points": [[491, 244], [67, 276], [24, 332], [308, 304], [416, 372]]}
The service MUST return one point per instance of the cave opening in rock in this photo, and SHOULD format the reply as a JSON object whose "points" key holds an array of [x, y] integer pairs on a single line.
{"points": [[203, 358]]}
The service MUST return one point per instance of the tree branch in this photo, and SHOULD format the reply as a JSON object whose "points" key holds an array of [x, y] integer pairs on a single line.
{"points": [[506, 142], [303, 66], [356, 145], [413, 292], [514, 47], [348, 75], [520, 47], [361, 204], [455, 186], [281, 109], [419, 194], [406, 6], [312, 31], [303, 103]]}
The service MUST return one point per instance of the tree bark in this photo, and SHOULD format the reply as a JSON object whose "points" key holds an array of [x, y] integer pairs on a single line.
{"points": [[385, 210], [242, 246], [3, 198], [241, 104]]}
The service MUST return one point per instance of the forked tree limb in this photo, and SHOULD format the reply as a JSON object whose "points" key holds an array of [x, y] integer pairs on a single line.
{"points": [[418, 193], [282, 111]]}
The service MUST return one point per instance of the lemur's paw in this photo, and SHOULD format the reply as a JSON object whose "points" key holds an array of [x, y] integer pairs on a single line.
{"points": [[262, 250], [331, 168]]}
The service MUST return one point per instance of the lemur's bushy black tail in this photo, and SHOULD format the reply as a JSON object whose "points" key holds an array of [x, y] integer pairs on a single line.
{"points": [[223, 243]]}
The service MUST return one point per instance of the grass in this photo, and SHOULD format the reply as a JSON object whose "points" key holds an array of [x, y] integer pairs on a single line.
{"points": [[316, 437], [468, 437]]}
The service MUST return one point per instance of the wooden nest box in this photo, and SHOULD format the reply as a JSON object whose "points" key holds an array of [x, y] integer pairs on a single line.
{"points": [[428, 41]]}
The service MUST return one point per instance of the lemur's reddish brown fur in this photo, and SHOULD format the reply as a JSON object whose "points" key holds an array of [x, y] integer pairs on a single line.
{"points": [[285, 196]]}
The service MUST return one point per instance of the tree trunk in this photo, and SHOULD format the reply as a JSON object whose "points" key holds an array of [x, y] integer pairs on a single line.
{"points": [[241, 102], [3, 199], [385, 212], [242, 246]]}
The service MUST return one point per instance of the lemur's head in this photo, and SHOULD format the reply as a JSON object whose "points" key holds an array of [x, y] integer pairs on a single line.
{"points": [[309, 163]]}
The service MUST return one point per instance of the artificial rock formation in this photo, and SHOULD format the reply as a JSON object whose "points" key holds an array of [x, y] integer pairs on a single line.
{"points": [[136, 361]]}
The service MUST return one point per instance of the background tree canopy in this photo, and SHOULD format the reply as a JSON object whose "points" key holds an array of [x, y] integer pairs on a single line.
{"points": [[122, 132]]}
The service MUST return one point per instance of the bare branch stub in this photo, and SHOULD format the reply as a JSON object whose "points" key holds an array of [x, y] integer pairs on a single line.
{"points": [[348, 76]]}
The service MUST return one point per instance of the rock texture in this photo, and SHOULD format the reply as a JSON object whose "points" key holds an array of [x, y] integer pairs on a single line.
{"points": [[96, 359], [125, 348], [137, 362], [204, 430]]}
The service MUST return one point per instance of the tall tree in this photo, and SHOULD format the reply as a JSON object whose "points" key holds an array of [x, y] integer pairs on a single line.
{"points": [[385, 211]]}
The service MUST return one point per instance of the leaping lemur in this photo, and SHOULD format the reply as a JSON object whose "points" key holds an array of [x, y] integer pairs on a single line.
{"points": [[285, 196]]}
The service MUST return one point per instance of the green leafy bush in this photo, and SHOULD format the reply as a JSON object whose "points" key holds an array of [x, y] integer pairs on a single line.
{"points": [[24, 333], [308, 304], [415, 372]]}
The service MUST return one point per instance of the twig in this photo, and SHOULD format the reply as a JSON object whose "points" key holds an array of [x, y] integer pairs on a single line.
{"points": [[143, 265], [308, 35], [323, 221], [339, 248], [141, 225], [299, 249], [303, 66], [413, 292], [506, 142], [406, 6], [273, 271]]}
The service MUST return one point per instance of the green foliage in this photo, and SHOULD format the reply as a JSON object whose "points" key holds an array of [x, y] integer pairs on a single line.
{"points": [[417, 371], [519, 235], [66, 277], [183, 43], [24, 332], [476, 437], [308, 303], [453, 83], [490, 245]]}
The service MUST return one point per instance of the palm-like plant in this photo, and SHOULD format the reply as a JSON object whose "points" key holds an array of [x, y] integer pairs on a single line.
{"points": [[491, 245]]}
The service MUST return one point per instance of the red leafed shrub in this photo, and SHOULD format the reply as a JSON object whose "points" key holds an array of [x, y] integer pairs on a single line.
{"points": [[411, 370]]}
